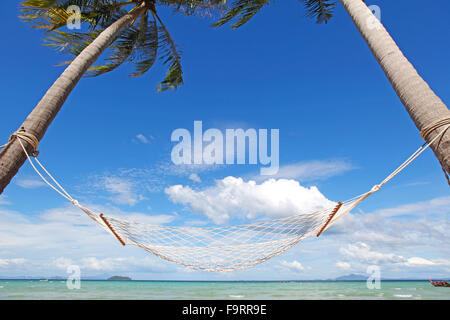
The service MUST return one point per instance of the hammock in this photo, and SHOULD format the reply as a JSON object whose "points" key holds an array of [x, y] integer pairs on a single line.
{"points": [[219, 249]]}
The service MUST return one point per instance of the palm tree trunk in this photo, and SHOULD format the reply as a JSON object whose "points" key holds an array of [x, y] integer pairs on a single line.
{"points": [[422, 104], [37, 122]]}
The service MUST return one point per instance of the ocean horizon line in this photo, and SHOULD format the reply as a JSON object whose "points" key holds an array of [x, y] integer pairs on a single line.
{"points": [[210, 281]]}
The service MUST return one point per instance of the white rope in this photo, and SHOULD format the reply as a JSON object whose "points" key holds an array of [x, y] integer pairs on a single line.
{"points": [[220, 248], [59, 189], [62, 192]]}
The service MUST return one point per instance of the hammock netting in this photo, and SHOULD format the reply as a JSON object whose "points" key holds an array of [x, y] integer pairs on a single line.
{"points": [[225, 248]]}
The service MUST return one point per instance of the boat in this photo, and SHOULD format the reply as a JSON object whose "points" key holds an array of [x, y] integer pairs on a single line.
{"points": [[440, 283]]}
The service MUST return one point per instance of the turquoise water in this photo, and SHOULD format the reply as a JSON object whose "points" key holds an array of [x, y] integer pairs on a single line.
{"points": [[34, 289]]}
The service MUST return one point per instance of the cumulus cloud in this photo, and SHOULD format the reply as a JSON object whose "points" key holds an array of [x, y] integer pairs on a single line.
{"points": [[362, 252], [416, 261], [293, 265], [234, 197], [343, 265], [194, 177]]}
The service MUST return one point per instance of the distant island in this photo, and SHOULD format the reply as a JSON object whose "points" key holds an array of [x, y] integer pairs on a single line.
{"points": [[115, 278], [352, 277]]}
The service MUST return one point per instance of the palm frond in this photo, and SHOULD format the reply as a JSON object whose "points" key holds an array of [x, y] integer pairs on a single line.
{"points": [[70, 42], [53, 14], [35, 9], [140, 43], [322, 10], [243, 11], [104, 13], [45, 14], [146, 50], [120, 51], [169, 55], [195, 7]]}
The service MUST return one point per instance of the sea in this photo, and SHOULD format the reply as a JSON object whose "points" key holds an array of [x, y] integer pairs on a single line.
{"points": [[205, 290]]}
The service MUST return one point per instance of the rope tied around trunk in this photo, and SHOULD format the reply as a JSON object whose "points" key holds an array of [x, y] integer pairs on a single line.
{"points": [[433, 126], [27, 137], [425, 133]]}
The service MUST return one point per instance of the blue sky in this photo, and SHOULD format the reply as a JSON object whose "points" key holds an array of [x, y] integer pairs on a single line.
{"points": [[342, 130]]}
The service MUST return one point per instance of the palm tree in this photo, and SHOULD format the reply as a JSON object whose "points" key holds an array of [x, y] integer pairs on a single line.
{"points": [[131, 30], [423, 105]]}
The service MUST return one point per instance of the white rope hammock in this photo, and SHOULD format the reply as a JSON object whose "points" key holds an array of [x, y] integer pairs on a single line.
{"points": [[220, 249]]}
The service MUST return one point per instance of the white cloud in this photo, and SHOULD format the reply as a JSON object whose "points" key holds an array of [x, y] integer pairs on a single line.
{"points": [[30, 183], [11, 262], [142, 138], [311, 170], [362, 252], [107, 264], [293, 265], [124, 191], [122, 264], [419, 262], [153, 179], [62, 263], [72, 215], [436, 204], [423, 223], [416, 261], [194, 177], [235, 197], [168, 168], [60, 237], [343, 265]]}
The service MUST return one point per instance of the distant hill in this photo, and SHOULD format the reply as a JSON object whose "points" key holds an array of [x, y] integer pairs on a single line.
{"points": [[115, 278], [352, 277]]}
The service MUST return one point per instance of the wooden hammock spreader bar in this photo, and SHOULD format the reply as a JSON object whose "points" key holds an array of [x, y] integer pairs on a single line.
{"points": [[112, 230], [335, 210]]}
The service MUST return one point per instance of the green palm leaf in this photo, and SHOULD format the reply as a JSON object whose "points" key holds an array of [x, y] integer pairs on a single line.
{"points": [[243, 10], [195, 7], [146, 50], [169, 55], [322, 10], [120, 51]]}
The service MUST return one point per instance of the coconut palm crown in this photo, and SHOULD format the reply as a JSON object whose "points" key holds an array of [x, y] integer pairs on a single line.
{"points": [[141, 43]]}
